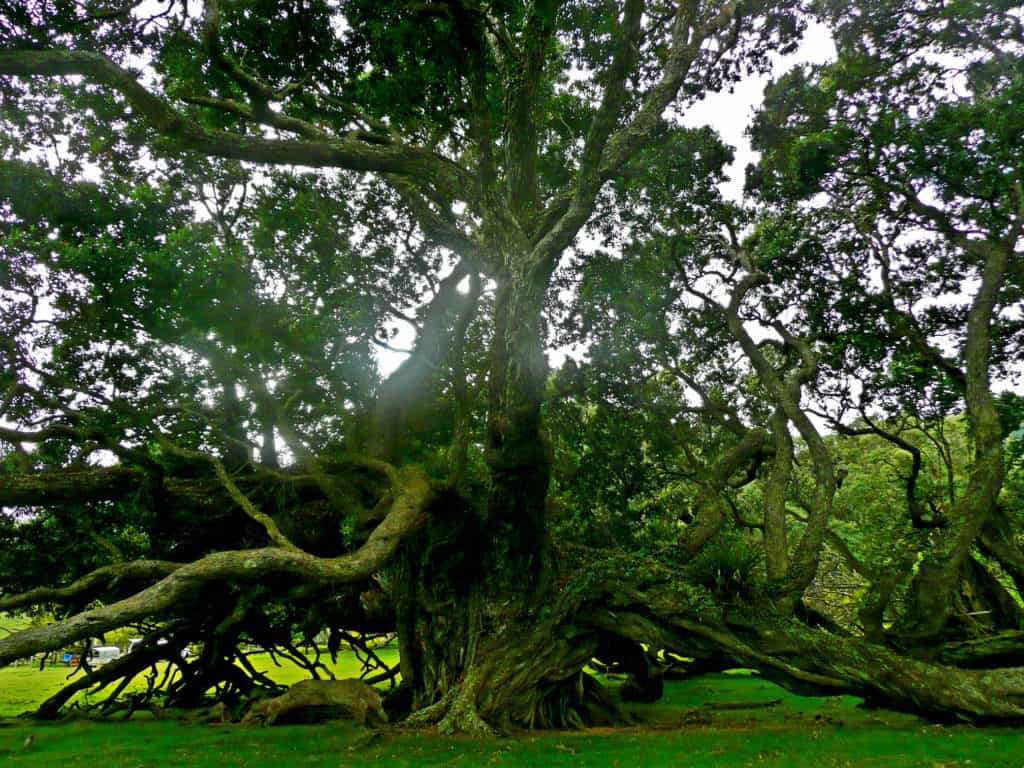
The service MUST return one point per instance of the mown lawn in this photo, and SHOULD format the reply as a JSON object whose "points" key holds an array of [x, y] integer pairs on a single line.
{"points": [[804, 742], [694, 725]]}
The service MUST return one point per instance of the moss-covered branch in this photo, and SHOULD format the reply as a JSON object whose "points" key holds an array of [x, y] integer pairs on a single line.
{"points": [[92, 584], [408, 513]]}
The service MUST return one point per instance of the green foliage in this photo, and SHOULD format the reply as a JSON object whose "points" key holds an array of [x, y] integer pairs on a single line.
{"points": [[603, 464], [892, 139], [1011, 416], [729, 566]]}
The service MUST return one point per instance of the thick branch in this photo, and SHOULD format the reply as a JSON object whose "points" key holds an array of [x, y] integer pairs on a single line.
{"points": [[935, 583], [92, 583], [522, 91], [408, 514], [711, 510], [187, 134], [407, 389], [266, 117], [786, 393], [776, 556], [69, 487]]}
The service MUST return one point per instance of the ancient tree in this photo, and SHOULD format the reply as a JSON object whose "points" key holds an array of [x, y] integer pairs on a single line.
{"points": [[246, 199]]}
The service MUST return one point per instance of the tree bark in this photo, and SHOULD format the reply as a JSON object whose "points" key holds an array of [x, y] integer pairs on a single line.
{"points": [[776, 487], [518, 453], [934, 588], [69, 487]]}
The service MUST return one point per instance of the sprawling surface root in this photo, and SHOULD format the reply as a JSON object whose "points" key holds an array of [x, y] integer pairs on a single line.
{"points": [[462, 714], [812, 661], [524, 677], [470, 708], [480, 666], [527, 670]]}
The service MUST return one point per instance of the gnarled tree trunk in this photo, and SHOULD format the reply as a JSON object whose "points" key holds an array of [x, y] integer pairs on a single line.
{"points": [[465, 590]]}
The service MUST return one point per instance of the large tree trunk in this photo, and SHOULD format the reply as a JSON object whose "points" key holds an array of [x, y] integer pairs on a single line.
{"points": [[486, 661], [602, 594], [477, 656], [468, 590], [528, 670], [518, 453]]}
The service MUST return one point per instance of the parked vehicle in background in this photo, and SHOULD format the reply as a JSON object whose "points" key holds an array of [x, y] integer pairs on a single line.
{"points": [[135, 642], [103, 654]]}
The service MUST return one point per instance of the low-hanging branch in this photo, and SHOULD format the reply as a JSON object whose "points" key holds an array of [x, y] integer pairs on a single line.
{"points": [[92, 583], [409, 512]]}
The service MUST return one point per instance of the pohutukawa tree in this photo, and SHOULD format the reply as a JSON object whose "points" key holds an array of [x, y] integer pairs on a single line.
{"points": [[243, 199]]}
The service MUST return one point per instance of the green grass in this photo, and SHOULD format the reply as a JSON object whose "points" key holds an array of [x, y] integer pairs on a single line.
{"points": [[680, 730], [161, 744], [10, 624]]}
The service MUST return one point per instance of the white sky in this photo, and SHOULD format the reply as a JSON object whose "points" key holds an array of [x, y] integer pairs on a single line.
{"points": [[731, 113]]}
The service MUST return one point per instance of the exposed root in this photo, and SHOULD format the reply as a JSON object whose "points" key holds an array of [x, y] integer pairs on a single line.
{"points": [[462, 717], [455, 712], [429, 715]]}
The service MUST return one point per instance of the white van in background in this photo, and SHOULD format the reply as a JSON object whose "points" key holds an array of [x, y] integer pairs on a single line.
{"points": [[135, 642], [103, 654]]}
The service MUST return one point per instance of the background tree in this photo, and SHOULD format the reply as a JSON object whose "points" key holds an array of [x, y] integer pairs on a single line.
{"points": [[917, 156]]}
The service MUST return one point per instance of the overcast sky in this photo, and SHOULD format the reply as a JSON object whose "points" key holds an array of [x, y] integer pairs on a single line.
{"points": [[731, 113]]}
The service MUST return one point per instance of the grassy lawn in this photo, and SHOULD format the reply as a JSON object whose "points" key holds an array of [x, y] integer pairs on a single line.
{"points": [[169, 745], [692, 726]]}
